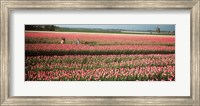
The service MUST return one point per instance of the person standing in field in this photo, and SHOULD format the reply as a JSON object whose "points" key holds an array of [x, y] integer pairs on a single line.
{"points": [[77, 41], [62, 41]]}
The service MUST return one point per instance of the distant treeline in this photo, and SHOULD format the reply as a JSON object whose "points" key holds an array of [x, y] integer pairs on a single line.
{"points": [[60, 29], [97, 30], [93, 30], [40, 27]]}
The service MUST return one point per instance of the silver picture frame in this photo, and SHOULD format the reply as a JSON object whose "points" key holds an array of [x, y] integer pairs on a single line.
{"points": [[7, 6]]}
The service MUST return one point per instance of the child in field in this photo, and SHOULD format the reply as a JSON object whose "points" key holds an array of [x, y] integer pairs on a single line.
{"points": [[62, 41]]}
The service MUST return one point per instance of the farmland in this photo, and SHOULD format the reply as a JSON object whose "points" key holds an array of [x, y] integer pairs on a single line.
{"points": [[99, 57]]}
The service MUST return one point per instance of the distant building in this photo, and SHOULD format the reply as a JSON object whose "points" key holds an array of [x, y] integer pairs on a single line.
{"points": [[172, 32], [158, 29]]}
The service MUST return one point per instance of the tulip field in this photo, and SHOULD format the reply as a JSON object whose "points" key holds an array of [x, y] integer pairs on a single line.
{"points": [[99, 57]]}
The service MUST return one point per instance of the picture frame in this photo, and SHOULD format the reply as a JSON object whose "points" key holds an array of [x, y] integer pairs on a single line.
{"points": [[8, 5]]}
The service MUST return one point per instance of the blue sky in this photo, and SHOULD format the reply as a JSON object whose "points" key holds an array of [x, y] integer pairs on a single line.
{"points": [[121, 26]]}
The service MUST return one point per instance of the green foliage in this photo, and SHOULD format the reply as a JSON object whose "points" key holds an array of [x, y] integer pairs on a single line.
{"points": [[94, 52], [46, 40], [91, 43], [40, 27]]}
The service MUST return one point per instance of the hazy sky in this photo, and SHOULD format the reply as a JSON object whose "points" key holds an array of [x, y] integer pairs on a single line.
{"points": [[121, 26]]}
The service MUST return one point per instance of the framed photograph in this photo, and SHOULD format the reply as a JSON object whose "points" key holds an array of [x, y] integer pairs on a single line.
{"points": [[100, 52]]}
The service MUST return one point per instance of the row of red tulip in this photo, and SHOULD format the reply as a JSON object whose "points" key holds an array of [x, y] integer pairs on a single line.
{"points": [[103, 37], [149, 73], [101, 67], [87, 47]]}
